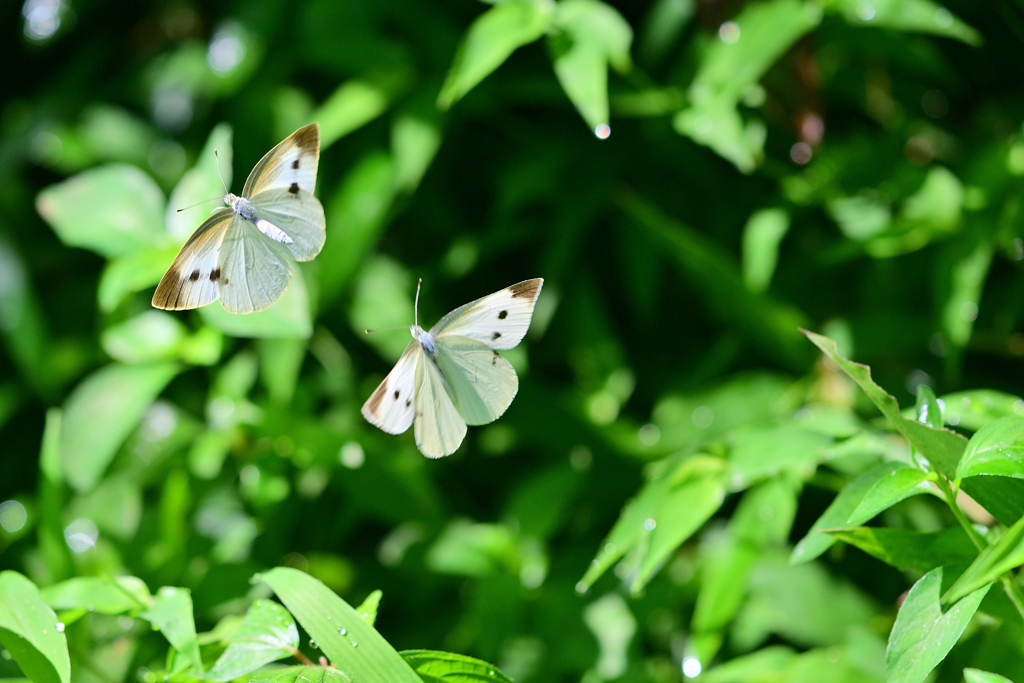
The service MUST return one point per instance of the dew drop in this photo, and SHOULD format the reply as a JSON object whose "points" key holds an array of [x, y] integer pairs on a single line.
{"points": [[354, 643], [342, 631], [581, 587], [312, 643], [602, 131], [60, 627]]}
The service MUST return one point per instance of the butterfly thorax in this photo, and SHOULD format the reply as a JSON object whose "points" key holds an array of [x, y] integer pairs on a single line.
{"points": [[425, 339], [241, 206]]}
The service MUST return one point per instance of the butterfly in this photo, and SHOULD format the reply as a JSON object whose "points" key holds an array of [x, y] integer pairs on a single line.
{"points": [[240, 254], [453, 375]]}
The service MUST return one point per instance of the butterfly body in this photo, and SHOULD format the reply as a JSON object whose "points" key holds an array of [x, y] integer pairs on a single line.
{"points": [[227, 258], [452, 375]]}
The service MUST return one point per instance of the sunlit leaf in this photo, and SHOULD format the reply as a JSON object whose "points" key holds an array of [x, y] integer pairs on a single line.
{"points": [[414, 142], [489, 41], [923, 634], [132, 273], [906, 549], [899, 485], [30, 633], [171, 613], [448, 667], [352, 105], [921, 16], [266, 634], [200, 183], [1005, 554], [112, 210], [103, 595], [979, 676], [997, 448], [761, 237], [301, 674]]}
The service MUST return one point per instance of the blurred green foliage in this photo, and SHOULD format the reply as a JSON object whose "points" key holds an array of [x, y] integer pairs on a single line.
{"points": [[682, 486]]}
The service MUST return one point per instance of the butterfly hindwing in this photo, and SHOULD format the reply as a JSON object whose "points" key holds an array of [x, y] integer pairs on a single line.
{"points": [[298, 215], [439, 427], [291, 165], [499, 321], [391, 407], [483, 382], [194, 277], [253, 273]]}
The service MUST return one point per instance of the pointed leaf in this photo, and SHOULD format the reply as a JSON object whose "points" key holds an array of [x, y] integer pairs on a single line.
{"points": [[301, 674], [102, 595], [901, 484], [29, 631], [906, 549], [368, 609], [1000, 557], [342, 635], [921, 16], [100, 414], [448, 667], [942, 447], [267, 633], [997, 448], [171, 613], [923, 635], [492, 37], [979, 676], [354, 104]]}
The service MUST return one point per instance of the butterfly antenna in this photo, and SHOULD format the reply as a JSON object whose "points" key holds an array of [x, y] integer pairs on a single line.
{"points": [[220, 173], [197, 204], [416, 306]]}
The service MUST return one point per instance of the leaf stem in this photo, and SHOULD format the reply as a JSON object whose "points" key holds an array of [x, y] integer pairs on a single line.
{"points": [[302, 658]]}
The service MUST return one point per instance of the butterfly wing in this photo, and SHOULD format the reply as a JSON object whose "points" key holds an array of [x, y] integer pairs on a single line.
{"points": [[391, 407], [298, 214], [292, 163], [253, 273], [439, 427], [193, 279], [499, 320], [483, 382]]}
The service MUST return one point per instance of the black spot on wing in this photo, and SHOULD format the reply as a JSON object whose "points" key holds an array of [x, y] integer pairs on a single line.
{"points": [[193, 276], [495, 336], [502, 315], [408, 402], [396, 394], [295, 164], [494, 358], [214, 274], [294, 189]]}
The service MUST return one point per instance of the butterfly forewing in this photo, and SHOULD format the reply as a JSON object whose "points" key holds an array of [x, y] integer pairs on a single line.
{"points": [[291, 164], [391, 407], [499, 321], [194, 277], [439, 427], [299, 215], [483, 382], [253, 274]]}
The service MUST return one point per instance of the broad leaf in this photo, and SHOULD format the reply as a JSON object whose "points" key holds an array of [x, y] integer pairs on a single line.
{"points": [[902, 483], [354, 104], [997, 448], [100, 414], [266, 634], [105, 596], [301, 674], [30, 631], [448, 667], [342, 635], [979, 676], [922, 16], [112, 210], [923, 634]]}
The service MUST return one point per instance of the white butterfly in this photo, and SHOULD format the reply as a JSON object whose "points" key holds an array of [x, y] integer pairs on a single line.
{"points": [[240, 254], [453, 375]]}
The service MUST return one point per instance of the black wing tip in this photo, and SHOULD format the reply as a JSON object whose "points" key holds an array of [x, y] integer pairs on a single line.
{"points": [[527, 289]]}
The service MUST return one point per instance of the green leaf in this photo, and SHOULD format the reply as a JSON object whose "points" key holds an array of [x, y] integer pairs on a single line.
{"points": [[200, 183], [353, 105], [132, 273], [171, 613], [942, 447], [725, 568], [860, 217], [766, 661], [267, 633], [288, 318], [301, 674], [356, 214], [901, 484], [966, 278], [29, 631], [614, 626], [280, 364], [468, 548], [838, 512], [973, 410], [923, 635], [997, 448], [103, 595], [368, 609], [342, 635], [756, 453], [448, 667], [761, 238], [730, 70], [979, 676], [906, 549], [414, 143], [491, 38], [112, 210], [920, 16], [100, 414], [149, 336], [115, 505], [383, 297], [591, 36], [998, 558]]}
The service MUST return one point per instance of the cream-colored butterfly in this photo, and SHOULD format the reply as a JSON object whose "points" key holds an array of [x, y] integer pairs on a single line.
{"points": [[240, 254], [453, 375]]}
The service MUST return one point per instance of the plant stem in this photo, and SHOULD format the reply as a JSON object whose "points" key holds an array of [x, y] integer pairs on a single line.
{"points": [[302, 658]]}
